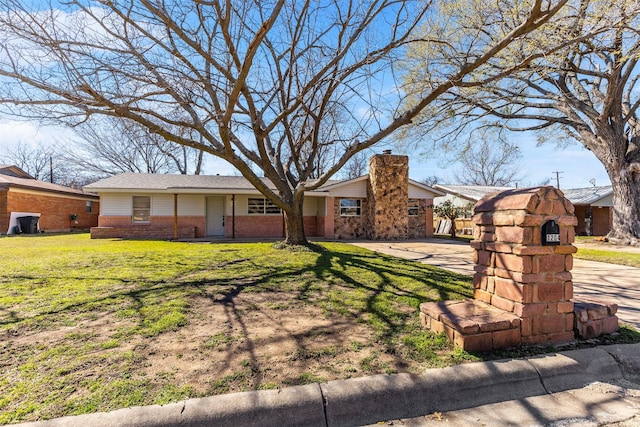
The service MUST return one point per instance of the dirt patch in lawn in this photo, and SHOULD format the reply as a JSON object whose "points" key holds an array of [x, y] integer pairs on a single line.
{"points": [[263, 340], [250, 341]]}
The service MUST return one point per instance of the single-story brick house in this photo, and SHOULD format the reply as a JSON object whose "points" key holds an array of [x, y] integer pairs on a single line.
{"points": [[22, 195], [594, 209], [593, 205], [385, 204]]}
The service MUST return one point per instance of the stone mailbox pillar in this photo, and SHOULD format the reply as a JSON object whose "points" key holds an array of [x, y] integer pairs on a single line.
{"points": [[523, 253], [523, 284]]}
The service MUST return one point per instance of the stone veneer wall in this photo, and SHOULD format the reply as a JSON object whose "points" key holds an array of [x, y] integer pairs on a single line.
{"points": [[349, 227], [418, 224], [388, 195]]}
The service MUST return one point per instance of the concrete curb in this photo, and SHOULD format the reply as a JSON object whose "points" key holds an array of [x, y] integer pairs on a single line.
{"points": [[367, 400]]}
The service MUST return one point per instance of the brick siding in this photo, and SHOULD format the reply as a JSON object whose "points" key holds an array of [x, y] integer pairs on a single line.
{"points": [[142, 232], [601, 221], [159, 227], [4, 212], [265, 226], [54, 210]]}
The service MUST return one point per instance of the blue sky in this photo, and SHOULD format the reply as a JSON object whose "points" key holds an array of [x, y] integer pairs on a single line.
{"points": [[578, 165]]}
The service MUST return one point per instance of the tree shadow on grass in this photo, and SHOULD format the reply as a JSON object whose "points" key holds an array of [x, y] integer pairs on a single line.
{"points": [[351, 286]]}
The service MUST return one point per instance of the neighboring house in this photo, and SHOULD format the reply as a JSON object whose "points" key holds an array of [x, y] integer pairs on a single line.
{"points": [[385, 204], [462, 195], [22, 195], [593, 205]]}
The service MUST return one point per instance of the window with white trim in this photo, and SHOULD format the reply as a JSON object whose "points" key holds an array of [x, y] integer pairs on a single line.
{"points": [[141, 209], [414, 207], [350, 207], [262, 206]]}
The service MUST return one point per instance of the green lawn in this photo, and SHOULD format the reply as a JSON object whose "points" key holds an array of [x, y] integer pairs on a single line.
{"points": [[95, 325], [612, 257], [606, 253]]}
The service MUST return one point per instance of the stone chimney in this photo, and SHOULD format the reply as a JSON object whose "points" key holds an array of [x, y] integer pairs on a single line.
{"points": [[388, 197]]}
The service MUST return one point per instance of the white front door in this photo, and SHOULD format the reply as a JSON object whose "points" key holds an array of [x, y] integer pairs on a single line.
{"points": [[215, 216]]}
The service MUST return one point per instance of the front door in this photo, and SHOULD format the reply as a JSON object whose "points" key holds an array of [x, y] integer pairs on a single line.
{"points": [[215, 216]]}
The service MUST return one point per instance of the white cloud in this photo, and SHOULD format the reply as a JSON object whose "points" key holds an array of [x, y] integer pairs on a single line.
{"points": [[14, 132]]}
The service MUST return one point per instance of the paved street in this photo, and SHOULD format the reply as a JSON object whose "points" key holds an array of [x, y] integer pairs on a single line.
{"points": [[593, 281]]}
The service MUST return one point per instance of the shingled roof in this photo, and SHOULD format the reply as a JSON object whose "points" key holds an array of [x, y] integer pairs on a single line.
{"points": [[8, 181], [142, 181], [13, 170], [167, 182]]}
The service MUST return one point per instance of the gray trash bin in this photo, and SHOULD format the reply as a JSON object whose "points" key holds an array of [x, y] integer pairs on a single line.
{"points": [[29, 224]]}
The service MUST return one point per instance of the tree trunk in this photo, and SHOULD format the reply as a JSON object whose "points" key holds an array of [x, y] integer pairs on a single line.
{"points": [[294, 223], [453, 228], [626, 205]]}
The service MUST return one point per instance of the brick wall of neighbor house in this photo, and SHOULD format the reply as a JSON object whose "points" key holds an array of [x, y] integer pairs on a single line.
{"points": [[4, 213], [580, 213], [388, 195], [349, 227], [265, 226], [54, 210], [601, 220]]}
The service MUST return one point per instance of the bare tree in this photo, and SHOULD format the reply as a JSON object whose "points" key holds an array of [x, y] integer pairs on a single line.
{"points": [[36, 161], [268, 85], [431, 180], [113, 145], [587, 92], [356, 166], [489, 160], [48, 163]]}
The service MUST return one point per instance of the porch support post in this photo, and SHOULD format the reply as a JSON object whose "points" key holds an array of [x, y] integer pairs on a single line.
{"points": [[175, 216], [233, 216]]}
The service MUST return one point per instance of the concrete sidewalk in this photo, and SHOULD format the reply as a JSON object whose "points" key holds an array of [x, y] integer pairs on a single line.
{"points": [[592, 281], [600, 385]]}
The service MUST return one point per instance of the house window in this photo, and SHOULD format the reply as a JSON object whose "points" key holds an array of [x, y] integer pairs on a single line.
{"points": [[88, 207], [141, 208], [350, 207], [414, 207], [262, 206]]}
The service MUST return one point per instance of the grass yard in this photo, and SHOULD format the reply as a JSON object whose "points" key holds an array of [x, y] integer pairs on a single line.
{"points": [[595, 250], [610, 256], [95, 325]]}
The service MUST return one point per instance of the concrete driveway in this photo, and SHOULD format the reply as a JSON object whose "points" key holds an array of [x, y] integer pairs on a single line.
{"points": [[592, 281]]}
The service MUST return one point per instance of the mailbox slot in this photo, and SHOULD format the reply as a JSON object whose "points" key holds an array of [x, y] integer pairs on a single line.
{"points": [[550, 233]]}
